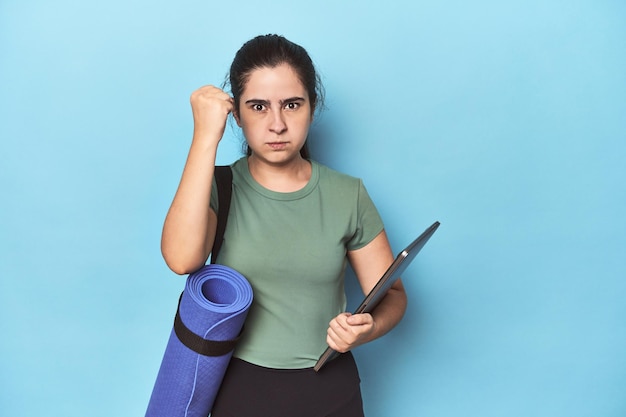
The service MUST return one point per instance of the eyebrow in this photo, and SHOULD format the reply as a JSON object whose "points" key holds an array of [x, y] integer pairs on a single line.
{"points": [[266, 102]]}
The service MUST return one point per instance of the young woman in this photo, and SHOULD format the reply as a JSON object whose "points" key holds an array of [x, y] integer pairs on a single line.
{"points": [[292, 225]]}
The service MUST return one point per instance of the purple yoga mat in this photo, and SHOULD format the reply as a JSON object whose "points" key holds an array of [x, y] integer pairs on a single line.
{"points": [[213, 306]]}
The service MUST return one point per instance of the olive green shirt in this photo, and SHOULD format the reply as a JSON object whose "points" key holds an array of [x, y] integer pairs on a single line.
{"points": [[292, 249]]}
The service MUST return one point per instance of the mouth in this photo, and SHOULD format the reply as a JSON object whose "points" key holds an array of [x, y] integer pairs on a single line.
{"points": [[277, 145]]}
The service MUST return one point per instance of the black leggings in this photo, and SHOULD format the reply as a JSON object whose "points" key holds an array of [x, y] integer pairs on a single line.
{"points": [[254, 391]]}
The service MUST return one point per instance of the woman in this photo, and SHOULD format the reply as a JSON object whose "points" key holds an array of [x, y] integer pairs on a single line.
{"points": [[292, 225]]}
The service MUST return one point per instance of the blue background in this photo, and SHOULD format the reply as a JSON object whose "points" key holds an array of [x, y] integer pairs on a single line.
{"points": [[504, 120]]}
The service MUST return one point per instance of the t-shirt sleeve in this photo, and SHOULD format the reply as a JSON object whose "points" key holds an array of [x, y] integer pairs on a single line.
{"points": [[369, 223]]}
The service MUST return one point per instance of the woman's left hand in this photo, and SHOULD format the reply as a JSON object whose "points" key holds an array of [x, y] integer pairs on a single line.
{"points": [[347, 331]]}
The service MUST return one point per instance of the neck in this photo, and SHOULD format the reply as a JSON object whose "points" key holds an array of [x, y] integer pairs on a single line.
{"points": [[284, 178]]}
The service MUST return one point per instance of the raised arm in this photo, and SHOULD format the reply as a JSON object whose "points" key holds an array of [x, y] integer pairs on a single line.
{"points": [[348, 331], [189, 228]]}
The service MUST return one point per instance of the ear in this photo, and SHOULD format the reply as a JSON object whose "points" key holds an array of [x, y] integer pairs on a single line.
{"points": [[236, 116]]}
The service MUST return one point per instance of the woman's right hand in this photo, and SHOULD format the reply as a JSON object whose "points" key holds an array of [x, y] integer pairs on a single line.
{"points": [[210, 106]]}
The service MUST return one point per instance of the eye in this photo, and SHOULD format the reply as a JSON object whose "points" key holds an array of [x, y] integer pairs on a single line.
{"points": [[258, 107], [292, 106]]}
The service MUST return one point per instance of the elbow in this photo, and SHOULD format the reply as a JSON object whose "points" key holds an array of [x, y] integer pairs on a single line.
{"points": [[183, 268], [180, 264], [178, 269], [401, 300], [405, 303]]}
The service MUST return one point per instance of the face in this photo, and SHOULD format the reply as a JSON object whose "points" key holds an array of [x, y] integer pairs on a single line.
{"points": [[275, 114]]}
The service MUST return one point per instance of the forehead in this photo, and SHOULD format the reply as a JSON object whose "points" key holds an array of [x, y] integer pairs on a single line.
{"points": [[274, 82]]}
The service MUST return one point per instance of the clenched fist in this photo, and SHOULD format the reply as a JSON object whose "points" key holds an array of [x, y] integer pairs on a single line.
{"points": [[210, 106]]}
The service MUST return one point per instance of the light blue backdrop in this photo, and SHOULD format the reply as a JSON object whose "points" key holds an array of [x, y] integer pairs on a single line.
{"points": [[504, 120]]}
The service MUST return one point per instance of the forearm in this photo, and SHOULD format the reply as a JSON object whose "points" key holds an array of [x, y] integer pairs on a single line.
{"points": [[189, 226], [389, 312], [346, 331]]}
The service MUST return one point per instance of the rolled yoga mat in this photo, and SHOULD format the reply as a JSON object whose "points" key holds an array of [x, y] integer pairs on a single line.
{"points": [[210, 317]]}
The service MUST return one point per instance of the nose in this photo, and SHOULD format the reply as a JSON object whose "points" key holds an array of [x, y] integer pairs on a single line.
{"points": [[277, 124]]}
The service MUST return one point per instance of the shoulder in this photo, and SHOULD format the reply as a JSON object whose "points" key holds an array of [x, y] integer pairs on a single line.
{"points": [[336, 179], [241, 174], [240, 165]]}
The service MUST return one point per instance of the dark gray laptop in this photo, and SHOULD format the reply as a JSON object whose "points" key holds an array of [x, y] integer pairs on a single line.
{"points": [[399, 265]]}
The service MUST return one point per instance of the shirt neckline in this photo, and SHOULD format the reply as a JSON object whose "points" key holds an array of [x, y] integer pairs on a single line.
{"points": [[276, 195]]}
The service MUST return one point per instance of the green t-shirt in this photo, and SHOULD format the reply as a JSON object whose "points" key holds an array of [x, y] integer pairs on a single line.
{"points": [[292, 249]]}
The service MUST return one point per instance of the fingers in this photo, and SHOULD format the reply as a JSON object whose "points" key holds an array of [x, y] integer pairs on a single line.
{"points": [[211, 107], [211, 96], [347, 331], [359, 319]]}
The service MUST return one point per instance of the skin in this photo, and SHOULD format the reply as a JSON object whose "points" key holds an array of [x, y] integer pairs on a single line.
{"points": [[275, 115]]}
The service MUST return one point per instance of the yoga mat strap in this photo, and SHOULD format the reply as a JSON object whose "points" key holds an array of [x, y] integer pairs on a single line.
{"points": [[197, 343], [224, 179]]}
